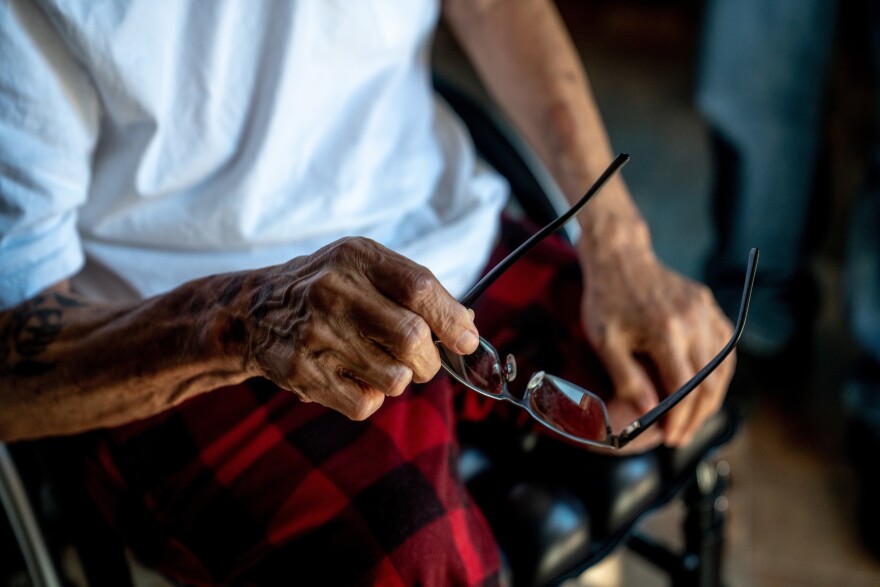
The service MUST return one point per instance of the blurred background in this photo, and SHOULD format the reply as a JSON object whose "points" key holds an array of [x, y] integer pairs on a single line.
{"points": [[793, 498]]}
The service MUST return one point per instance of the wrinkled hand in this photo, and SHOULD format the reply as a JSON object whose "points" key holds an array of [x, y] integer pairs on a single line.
{"points": [[349, 325], [648, 323]]}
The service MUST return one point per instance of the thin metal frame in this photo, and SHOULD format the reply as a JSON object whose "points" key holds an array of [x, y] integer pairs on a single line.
{"points": [[638, 426]]}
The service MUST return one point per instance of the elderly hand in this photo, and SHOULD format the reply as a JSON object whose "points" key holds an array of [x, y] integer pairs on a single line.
{"points": [[348, 325], [649, 324]]}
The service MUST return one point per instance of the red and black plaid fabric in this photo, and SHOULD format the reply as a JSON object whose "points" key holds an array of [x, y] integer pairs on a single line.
{"points": [[247, 485]]}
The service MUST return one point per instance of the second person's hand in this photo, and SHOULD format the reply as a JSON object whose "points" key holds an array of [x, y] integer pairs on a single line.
{"points": [[640, 315]]}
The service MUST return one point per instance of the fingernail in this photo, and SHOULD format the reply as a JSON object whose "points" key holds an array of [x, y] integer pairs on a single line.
{"points": [[468, 341], [471, 313]]}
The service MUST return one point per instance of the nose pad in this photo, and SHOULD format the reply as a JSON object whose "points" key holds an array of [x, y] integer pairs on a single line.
{"points": [[510, 368], [536, 382]]}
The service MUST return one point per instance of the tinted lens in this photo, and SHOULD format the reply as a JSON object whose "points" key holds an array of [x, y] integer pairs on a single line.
{"points": [[569, 408], [481, 369]]}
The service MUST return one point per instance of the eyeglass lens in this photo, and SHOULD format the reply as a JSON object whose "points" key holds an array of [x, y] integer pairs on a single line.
{"points": [[559, 404], [481, 370], [568, 408]]}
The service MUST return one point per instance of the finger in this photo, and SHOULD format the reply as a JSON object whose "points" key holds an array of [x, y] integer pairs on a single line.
{"points": [[416, 288], [356, 401], [403, 333], [373, 367], [630, 381], [677, 423], [675, 368], [710, 395], [328, 384]]}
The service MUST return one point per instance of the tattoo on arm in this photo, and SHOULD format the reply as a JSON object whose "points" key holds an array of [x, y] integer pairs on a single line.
{"points": [[29, 329]]}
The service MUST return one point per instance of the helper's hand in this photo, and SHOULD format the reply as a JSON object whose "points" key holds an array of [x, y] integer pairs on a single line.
{"points": [[643, 319], [349, 325]]}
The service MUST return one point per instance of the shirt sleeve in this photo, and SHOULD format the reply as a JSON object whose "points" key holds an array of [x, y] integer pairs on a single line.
{"points": [[49, 119]]}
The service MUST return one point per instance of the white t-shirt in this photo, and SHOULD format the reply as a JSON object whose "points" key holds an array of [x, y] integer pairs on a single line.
{"points": [[150, 142]]}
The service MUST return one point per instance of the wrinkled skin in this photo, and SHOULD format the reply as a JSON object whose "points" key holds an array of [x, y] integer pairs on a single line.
{"points": [[345, 327], [351, 324]]}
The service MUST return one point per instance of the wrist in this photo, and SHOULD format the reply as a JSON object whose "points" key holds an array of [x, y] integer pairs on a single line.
{"points": [[222, 328], [613, 238], [611, 220]]}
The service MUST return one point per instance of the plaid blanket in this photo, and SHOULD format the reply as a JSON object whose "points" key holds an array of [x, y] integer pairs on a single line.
{"points": [[246, 485]]}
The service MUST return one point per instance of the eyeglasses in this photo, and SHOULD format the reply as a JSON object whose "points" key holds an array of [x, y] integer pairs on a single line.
{"points": [[567, 409]]}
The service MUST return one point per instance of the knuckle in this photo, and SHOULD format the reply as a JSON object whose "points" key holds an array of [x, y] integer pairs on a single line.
{"points": [[630, 387], [323, 288], [364, 407], [351, 249], [609, 346], [704, 293], [418, 285], [428, 369], [414, 334], [310, 338], [398, 381], [671, 328], [349, 244]]}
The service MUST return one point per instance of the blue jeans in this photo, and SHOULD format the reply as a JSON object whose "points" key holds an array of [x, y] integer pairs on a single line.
{"points": [[762, 78], [863, 267], [762, 81]]}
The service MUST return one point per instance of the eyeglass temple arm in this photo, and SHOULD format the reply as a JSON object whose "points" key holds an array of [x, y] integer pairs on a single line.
{"points": [[638, 426], [470, 297]]}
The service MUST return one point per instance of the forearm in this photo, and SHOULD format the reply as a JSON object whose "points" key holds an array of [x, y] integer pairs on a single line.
{"points": [[527, 61], [345, 327], [68, 365]]}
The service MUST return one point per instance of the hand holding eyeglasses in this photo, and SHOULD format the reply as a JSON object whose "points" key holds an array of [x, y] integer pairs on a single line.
{"points": [[653, 328], [348, 325]]}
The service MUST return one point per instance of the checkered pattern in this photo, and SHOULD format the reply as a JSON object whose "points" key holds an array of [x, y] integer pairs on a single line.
{"points": [[247, 485]]}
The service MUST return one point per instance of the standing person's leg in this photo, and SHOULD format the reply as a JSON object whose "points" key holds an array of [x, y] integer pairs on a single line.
{"points": [[863, 260], [862, 391], [762, 82]]}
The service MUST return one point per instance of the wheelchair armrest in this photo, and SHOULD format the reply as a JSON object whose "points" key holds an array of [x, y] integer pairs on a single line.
{"points": [[24, 524], [557, 509]]}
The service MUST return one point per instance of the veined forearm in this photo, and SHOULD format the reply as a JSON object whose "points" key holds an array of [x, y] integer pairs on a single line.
{"points": [[345, 327], [67, 365], [526, 59]]}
